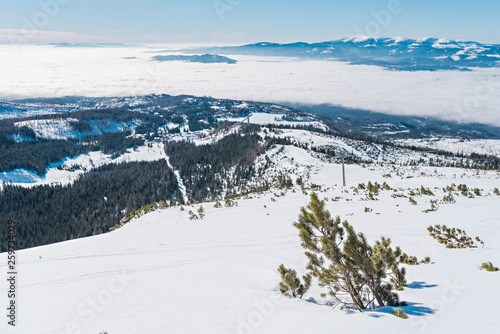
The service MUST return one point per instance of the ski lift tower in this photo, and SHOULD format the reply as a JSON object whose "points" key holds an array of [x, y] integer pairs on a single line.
{"points": [[343, 171], [344, 156]]}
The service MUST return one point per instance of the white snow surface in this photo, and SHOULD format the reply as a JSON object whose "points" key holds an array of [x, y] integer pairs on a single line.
{"points": [[163, 273], [84, 163], [465, 146], [276, 119], [50, 128]]}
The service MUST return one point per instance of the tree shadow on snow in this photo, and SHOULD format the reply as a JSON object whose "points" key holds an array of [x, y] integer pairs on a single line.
{"points": [[420, 285], [414, 309], [418, 309]]}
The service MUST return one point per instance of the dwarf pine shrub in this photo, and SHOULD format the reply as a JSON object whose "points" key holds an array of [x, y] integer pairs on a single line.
{"points": [[290, 284], [342, 260], [382, 251], [192, 215], [488, 266], [400, 313], [201, 212], [452, 237], [434, 206], [448, 199]]}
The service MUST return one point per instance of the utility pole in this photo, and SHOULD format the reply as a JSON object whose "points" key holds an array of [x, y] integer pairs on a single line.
{"points": [[343, 172]]}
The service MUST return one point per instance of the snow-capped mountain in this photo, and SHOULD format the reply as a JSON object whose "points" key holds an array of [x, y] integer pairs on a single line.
{"points": [[393, 53]]}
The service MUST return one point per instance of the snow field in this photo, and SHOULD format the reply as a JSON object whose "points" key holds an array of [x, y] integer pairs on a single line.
{"points": [[219, 275]]}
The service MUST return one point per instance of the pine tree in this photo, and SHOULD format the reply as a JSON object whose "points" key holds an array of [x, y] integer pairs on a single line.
{"points": [[452, 237], [291, 285], [488, 266], [201, 212], [344, 267], [192, 215], [383, 252]]}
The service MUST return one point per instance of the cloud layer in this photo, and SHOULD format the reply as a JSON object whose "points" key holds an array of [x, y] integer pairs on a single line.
{"points": [[45, 71]]}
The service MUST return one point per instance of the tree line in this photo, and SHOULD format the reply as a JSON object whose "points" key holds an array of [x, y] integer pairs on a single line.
{"points": [[95, 202]]}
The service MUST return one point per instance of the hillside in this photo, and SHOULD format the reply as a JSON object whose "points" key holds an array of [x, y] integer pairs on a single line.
{"points": [[84, 163], [164, 272]]}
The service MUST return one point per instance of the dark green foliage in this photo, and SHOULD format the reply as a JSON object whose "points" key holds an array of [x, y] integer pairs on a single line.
{"points": [[409, 260], [114, 143], [192, 215], [81, 126], [92, 205], [496, 191], [463, 189], [228, 202], [412, 201], [300, 181], [341, 259], [400, 314], [290, 284], [38, 155], [284, 181], [434, 206], [452, 237], [448, 199], [205, 168], [392, 259], [201, 212], [426, 191], [137, 213], [488, 266], [373, 189]]}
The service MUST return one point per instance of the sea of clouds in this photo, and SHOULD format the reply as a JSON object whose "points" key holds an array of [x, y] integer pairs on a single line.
{"points": [[48, 71]]}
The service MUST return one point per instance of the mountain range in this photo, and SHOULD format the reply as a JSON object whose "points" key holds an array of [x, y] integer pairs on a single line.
{"points": [[422, 54]]}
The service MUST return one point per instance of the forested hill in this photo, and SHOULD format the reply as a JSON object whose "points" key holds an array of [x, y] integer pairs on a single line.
{"points": [[94, 203], [110, 156]]}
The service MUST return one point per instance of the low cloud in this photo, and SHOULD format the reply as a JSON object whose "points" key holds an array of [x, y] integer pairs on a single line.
{"points": [[464, 96]]}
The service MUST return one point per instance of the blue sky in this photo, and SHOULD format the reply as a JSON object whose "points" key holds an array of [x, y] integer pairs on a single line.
{"points": [[247, 20]]}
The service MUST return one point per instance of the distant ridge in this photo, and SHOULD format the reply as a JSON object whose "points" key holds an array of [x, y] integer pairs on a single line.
{"points": [[404, 54]]}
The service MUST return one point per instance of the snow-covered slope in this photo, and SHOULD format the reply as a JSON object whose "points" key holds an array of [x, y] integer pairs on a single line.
{"points": [[70, 169], [163, 273], [479, 146], [63, 129], [277, 119], [394, 53]]}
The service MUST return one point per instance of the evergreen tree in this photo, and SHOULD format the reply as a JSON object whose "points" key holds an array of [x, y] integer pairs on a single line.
{"points": [[452, 237], [344, 267], [201, 212], [383, 252], [291, 285]]}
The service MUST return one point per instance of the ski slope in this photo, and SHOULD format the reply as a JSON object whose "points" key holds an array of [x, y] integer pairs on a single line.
{"points": [[163, 273]]}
